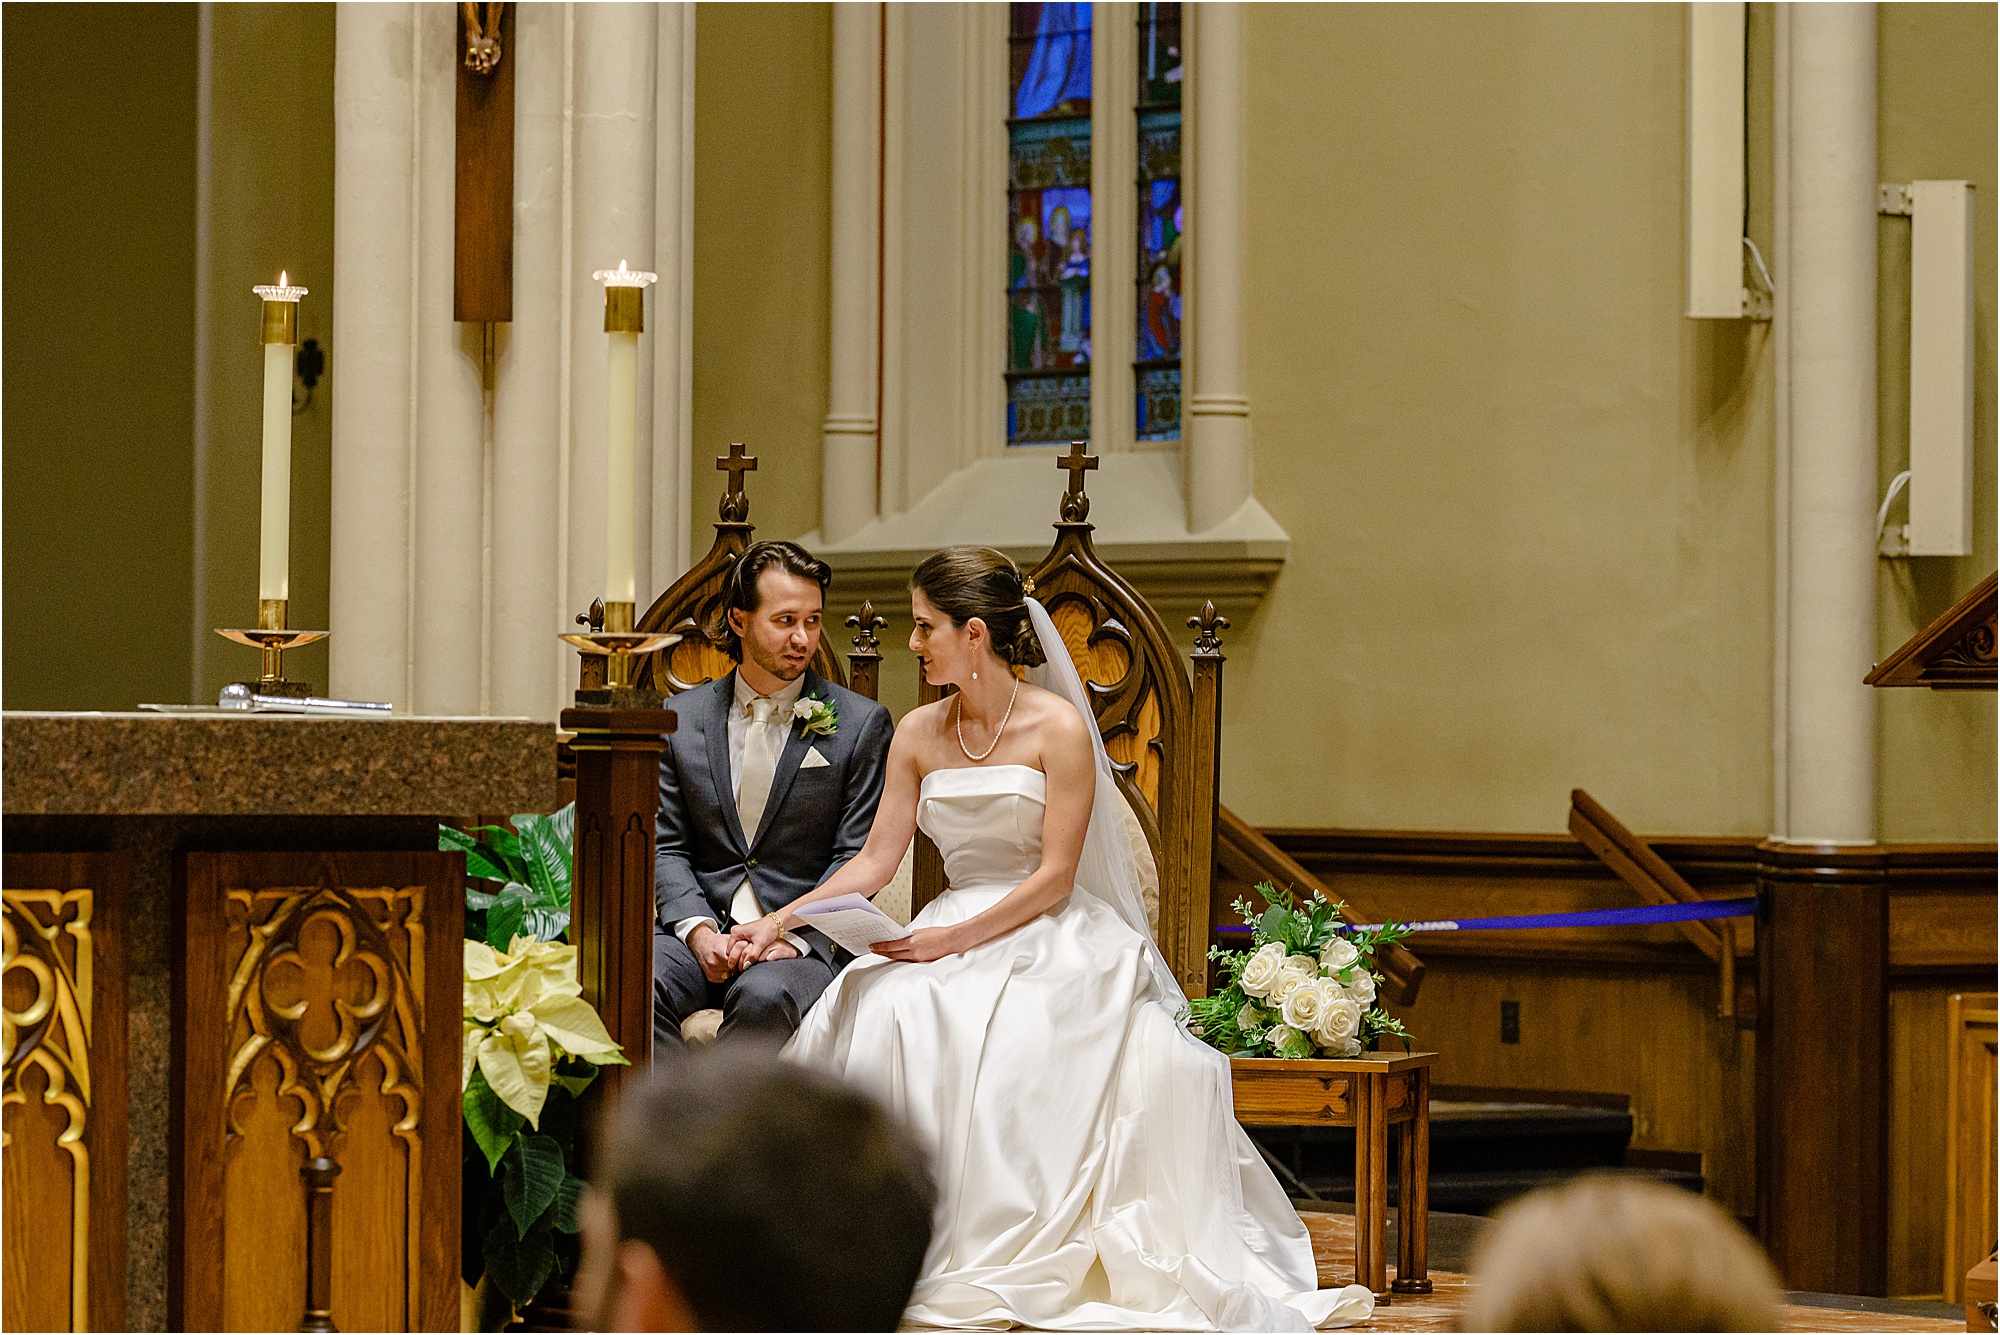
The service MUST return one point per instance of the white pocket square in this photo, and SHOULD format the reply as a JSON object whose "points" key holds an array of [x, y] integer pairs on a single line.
{"points": [[814, 760]]}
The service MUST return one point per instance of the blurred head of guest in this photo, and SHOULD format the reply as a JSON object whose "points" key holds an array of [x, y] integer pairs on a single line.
{"points": [[738, 1192], [1615, 1252]]}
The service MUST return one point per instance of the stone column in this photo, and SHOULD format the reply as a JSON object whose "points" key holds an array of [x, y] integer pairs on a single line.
{"points": [[449, 650], [1216, 407], [462, 547], [616, 46], [671, 319], [532, 670], [374, 269], [1823, 924], [1830, 635], [850, 432]]}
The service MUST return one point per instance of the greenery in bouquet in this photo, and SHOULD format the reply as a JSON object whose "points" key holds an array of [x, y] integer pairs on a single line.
{"points": [[1305, 988], [532, 1045]]}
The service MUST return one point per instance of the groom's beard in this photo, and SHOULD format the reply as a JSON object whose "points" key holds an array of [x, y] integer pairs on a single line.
{"points": [[778, 667]]}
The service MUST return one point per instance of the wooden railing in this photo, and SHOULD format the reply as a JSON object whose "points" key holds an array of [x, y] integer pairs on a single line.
{"points": [[1657, 883], [1244, 855]]}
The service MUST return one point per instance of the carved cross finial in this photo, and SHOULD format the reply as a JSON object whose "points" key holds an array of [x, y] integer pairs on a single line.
{"points": [[735, 507], [1206, 623], [864, 627], [1075, 503]]}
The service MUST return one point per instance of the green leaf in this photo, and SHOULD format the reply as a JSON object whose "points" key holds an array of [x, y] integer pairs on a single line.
{"points": [[519, 1266], [480, 864], [504, 920], [575, 1084], [546, 924], [548, 861], [534, 1171], [569, 1200], [492, 1123], [1272, 926], [562, 824]]}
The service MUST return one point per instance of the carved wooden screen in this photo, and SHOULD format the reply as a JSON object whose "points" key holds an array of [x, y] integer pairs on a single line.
{"points": [[686, 608], [65, 1093], [1162, 747], [320, 999]]}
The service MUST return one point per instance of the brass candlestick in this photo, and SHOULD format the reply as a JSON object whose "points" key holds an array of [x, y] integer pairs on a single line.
{"points": [[273, 638], [621, 646]]}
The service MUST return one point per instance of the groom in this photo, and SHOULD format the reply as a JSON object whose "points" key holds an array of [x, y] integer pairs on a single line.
{"points": [[767, 787]]}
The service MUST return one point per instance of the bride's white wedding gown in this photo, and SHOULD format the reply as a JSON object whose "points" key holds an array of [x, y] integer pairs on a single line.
{"points": [[1091, 1174]]}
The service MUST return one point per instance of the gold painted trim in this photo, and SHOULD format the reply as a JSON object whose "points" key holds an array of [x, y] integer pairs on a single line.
{"points": [[66, 990], [281, 322]]}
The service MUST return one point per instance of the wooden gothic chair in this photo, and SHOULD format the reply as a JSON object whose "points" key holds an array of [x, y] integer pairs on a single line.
{"points": [[1162, 727], [692, 600], [688, 606]]}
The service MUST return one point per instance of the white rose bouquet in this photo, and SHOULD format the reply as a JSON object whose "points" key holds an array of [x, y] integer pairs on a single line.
{"points": [[1305, 988]]}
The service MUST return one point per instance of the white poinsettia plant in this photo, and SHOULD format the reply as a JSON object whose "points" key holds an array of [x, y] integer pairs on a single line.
{"points": [[524, 1009], [1305, 988]]}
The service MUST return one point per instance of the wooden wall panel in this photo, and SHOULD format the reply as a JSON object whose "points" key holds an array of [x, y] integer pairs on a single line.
{"points": [[1631, 1011], [319, 1014], [64, 1103], [1652, 1037], [1970, 1222], [1919, 1122]]}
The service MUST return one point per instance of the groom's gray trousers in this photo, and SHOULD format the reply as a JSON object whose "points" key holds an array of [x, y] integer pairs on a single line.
{"points": [[767, 998]]}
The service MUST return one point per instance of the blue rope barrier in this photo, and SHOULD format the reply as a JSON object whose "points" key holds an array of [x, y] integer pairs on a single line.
{"points": [[1646, 914]]}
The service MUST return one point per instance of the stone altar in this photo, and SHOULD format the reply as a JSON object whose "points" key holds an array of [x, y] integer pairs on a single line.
{"points": [[232, 973]]}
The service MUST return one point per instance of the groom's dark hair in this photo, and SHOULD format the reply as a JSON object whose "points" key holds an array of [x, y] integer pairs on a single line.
{"points": [[739, 586], [775, 1197]]}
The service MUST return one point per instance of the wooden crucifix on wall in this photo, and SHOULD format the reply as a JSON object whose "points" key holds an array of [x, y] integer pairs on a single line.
{"points": [[482, 286]]}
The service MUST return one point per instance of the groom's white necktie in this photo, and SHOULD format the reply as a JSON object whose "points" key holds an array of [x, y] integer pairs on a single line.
{"points": [[762, 745]]}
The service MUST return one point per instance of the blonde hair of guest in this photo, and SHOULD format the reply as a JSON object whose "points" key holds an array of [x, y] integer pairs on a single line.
{"points": [[1611, 1252]]}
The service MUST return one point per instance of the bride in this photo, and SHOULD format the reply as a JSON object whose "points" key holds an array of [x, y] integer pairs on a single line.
{"points": [[1091, 1173]]}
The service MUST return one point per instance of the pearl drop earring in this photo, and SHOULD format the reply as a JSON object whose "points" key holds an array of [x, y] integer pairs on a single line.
{"points": [[975, 674]]}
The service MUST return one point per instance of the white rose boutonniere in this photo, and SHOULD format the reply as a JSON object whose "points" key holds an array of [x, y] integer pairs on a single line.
{"points": [[817, 717], [1263, 969], [1337, 954]]}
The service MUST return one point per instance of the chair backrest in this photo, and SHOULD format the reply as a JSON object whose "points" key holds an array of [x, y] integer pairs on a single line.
{"points": [[688, 606], [1161, 730]]}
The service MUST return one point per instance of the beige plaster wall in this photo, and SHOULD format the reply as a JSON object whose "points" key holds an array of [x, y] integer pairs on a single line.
{"points": [[1935, 749], [271, 147], [761, 236], [112, 514], [97, 242], [1530, 503]]}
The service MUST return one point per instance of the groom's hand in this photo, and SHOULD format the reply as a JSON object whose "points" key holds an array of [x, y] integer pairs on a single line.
{"points": [[712, 951], [754, 938]]}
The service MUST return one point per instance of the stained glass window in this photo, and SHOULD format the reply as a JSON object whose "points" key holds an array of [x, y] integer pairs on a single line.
{"points": [[1156, 366], [1048, 223]]}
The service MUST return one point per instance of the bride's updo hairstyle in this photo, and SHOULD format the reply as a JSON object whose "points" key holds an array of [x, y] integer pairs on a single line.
{"points": [[968, 582]]}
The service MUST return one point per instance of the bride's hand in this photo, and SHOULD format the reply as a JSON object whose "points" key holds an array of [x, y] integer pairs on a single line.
{"points": [[755, 937], [921, 946]]}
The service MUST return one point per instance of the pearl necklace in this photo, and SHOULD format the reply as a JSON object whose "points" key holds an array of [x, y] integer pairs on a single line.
{"points": [[958, 726]]}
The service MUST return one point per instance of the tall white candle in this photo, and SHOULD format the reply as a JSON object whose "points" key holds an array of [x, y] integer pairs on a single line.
{"points": [[621, 468], [280, 337], [624, 321]]}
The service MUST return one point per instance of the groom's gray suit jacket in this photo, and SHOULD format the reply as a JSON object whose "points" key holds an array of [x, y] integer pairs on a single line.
{"points": [[814, 821]]}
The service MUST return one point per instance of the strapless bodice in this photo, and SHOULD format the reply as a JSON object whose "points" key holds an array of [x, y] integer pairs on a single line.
{"points": [[986, 820]]}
